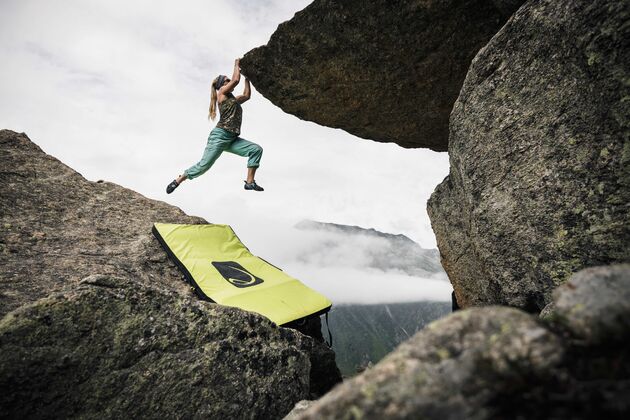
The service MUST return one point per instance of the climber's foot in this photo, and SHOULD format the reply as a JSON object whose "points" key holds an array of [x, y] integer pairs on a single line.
{"points": [[253, 186], [171, 187]]}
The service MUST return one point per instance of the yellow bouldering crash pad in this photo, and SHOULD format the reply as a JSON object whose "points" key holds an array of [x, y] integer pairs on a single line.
{"points": [[223, 270]]}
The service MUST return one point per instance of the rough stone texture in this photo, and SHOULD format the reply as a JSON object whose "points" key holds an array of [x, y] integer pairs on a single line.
{"points": [[594, 305], [120, 349], [298, 409], [539, 185], [496, 362], [547, 313], [325, 372], [383, 70], [463, 366], [58, 228], [592, 313], [133, 327]]}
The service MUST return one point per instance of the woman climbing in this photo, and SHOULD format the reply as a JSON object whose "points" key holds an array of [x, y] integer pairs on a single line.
{"points": [[225, 136]]}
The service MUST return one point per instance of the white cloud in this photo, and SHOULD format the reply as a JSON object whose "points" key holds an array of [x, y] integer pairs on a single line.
{"points": [[344, 285], [339, 265]]}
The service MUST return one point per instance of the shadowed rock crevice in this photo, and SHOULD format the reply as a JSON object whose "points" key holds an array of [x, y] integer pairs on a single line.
{"points": [[388, 71]]}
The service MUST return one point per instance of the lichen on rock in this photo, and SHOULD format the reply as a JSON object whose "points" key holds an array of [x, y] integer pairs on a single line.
{"points": [[539, 183], [497, 362], [115, 348], [461, 366], [594, 305]]}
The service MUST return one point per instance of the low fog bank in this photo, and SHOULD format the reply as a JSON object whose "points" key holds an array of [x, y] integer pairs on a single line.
{"points": [[349, 285], [352, 266]]}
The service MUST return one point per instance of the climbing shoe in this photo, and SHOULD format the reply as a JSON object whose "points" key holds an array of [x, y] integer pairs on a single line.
{"points": [[253, 186], [171, 187]]}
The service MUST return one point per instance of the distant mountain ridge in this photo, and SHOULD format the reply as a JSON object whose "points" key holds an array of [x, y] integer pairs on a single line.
{"points": [[387, 251], [351, 229]]}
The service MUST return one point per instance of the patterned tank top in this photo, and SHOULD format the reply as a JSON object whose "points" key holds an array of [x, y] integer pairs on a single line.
{"points": [[231, 115]]}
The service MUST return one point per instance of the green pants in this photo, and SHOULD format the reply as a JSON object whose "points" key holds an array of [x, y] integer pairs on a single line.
{"points": [[220, 141]]}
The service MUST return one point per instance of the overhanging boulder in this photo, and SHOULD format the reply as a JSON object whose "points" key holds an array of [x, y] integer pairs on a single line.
{"points": [[383, 70]]}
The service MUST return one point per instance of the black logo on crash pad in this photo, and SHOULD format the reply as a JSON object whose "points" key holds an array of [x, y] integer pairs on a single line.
{"points": [[236, 274]]}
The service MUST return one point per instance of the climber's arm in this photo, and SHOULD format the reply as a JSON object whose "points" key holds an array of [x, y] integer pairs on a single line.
{"points": [[246, 94], [236, 78]]}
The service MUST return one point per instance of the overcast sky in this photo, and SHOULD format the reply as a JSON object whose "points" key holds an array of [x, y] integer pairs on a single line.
{"points": [[119, 90]]}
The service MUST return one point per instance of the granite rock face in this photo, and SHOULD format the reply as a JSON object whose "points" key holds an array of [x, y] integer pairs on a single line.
{"points": [[539, 147], [497, 362], [388, 71], [454, 368], [96, 321], [58, 228], [299, 409], [115, 348], [594, 305]]}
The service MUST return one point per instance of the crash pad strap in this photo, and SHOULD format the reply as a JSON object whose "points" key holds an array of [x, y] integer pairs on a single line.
{"points": [[330, 339]]}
